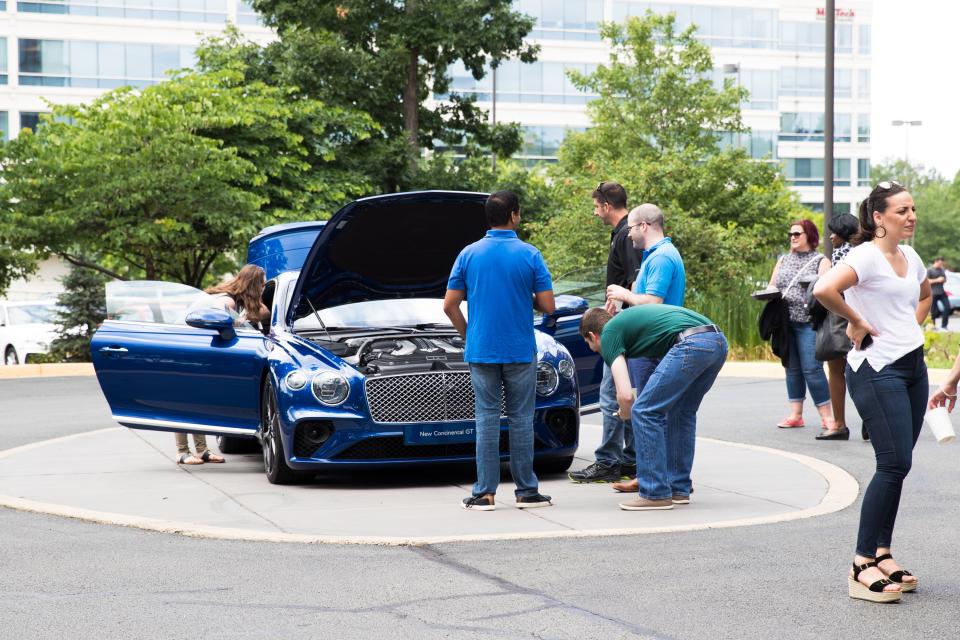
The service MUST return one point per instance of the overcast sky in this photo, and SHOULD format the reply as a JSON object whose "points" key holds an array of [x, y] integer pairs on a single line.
{"points": [[916, 51]]}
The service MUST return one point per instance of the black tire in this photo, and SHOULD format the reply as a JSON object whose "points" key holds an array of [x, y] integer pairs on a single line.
{"points": [[553, 465], [10, 356], [274, 461], [230, 444]]}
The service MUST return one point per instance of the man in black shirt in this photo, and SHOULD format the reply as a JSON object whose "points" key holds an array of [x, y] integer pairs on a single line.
{"points": [[941, 302], [616, 457]]}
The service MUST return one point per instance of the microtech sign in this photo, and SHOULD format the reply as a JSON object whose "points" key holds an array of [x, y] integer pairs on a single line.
{"points": [[840, 14]]}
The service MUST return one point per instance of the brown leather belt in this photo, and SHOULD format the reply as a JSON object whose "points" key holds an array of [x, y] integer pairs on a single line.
{"points": [[692, 331]]}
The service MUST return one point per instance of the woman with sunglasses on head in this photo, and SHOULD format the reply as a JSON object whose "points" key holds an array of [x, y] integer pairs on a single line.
{"points": [[881, 288], [842, 228], [804, 371]]}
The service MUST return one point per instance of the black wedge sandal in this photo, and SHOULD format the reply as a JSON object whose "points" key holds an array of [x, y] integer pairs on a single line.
{"points": [[875, 592], [897, 576]]}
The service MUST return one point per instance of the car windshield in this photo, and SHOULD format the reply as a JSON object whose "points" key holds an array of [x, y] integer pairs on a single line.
{"points": [[380, 313], [32, 314], [150, 301]]}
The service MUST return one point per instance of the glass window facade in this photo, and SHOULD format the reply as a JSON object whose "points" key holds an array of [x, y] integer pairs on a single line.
{"points": [[808, 81], [179, 10], [758, 144], [3, 62], [865, 37], [717, 26], [106, 65], [809, 36], [543, 143], [564, 19], [808, 172], [246, 14], [540, 82], [863, 127], [839, 208], [809, 127], [863, 83], [29, 120], [863, 172], [4, 126]]}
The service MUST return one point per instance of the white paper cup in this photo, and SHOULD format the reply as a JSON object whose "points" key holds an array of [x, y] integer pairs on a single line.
{"points": [[940, 425]]}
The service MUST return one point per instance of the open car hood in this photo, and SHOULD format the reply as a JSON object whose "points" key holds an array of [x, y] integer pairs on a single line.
{"points": [[393, 246]]}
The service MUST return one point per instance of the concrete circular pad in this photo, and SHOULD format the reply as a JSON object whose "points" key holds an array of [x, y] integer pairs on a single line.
{"points": [[129, 478]]}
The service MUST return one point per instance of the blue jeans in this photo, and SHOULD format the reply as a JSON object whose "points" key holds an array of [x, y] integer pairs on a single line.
{"points": [[665, 414], [805, 371], [616, 442], [892, 403], [941, 306], [519, 384]]}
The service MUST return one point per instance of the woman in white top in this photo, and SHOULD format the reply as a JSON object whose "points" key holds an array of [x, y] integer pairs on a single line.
{"points": [[886, 297]]}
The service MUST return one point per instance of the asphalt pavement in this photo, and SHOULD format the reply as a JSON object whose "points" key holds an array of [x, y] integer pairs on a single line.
{"points": [[63, 578]]}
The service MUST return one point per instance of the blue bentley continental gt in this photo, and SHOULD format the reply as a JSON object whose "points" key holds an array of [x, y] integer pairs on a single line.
{"points": [[358, 367]]}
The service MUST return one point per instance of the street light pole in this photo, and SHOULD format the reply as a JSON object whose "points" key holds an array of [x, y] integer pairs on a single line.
{"points": [[494, 114], [830, 15], [906, 142]]}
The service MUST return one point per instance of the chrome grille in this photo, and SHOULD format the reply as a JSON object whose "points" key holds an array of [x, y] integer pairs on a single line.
{"points": [[438, 396]]}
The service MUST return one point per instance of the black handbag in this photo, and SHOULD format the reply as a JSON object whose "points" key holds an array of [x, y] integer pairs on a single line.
{"points": [[832, 341]]}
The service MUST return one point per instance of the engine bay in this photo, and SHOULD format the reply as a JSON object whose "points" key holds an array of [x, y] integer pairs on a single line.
{"points": [[398, 353]]}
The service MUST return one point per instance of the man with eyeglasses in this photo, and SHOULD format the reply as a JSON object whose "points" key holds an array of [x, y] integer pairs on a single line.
{"points": [[616, 457], [662, 280]]}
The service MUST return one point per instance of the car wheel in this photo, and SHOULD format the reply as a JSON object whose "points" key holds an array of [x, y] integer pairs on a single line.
{"points": [[10, 356], [274, 461], [553, 465], [229, 444]]}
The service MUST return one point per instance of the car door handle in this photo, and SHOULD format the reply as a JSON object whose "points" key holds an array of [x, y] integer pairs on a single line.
{"points": [[113, 350]]}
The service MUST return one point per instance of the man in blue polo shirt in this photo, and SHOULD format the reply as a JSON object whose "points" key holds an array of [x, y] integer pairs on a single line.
{"points": [[503, 278], [662, 279]]}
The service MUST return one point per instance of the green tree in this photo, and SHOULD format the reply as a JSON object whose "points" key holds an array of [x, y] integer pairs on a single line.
{"points": [[83, 308], [386, 57], [655, 129], [171, 182]]}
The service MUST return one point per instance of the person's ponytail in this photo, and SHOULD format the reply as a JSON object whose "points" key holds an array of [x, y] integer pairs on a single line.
{"points": [[867, 227]]}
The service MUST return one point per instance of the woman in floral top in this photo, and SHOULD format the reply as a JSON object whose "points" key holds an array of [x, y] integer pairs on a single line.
{"points": [[804, 371]]}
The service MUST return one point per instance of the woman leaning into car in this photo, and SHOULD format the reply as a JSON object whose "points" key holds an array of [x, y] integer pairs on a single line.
{"points": [[237, 296], [881, 289]]}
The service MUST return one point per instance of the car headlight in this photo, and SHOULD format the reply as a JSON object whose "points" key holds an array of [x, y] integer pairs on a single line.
{"points": [[566, 368], [547, 379], [296, 380], [330, 388]]}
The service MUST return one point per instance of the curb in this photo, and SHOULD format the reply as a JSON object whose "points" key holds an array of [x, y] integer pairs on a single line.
{"points": [[730, 370], [842, 491], [51, 370]]}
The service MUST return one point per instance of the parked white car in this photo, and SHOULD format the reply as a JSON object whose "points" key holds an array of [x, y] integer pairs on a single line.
{"points": [[26, 329]]}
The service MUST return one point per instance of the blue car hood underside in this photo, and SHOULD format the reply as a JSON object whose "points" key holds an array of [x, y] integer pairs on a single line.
{"points": [[394, 246]]}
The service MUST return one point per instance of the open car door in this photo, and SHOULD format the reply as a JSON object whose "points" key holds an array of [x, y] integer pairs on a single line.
{"points": [[157, 372]]}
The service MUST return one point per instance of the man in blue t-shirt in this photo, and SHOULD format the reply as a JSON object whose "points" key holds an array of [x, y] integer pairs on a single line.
{"points": [[503, 278], [662, 279]]}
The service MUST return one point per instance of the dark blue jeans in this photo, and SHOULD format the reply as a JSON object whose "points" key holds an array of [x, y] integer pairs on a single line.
{"points": [[665, 414], [940, 306], [805, 371], [892, 403]]}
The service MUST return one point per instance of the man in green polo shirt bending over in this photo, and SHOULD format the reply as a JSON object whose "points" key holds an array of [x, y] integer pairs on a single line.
{"points": [[692, 351]]}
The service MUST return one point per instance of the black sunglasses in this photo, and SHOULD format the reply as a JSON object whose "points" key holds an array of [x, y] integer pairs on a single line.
{"points": [[795, 234]]}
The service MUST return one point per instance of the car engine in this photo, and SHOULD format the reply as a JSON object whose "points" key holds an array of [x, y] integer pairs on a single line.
{"points": [[415, 353]]}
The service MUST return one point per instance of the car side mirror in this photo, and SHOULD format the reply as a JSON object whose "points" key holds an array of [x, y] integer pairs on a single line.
{"points": [[566, 305], [213, 319]]}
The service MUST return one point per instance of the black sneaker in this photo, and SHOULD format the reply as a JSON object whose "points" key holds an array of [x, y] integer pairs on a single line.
{"points": [[596, 472], [628, 471], [863, 432], [478, 503], [532, 502]]}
